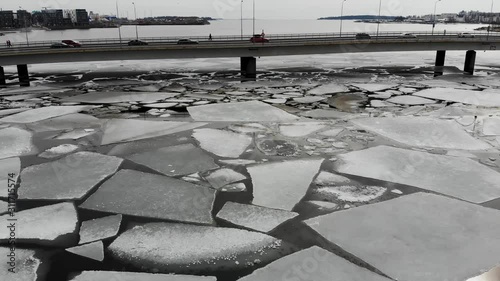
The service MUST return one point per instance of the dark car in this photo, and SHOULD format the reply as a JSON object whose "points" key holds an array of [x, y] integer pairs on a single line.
{"points": [[72, 43], [363, 36], [187, 42], [257, 38], [60, 45], [137, 43]]}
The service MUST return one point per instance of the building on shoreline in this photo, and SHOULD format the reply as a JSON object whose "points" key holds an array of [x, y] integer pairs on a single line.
{"points": [[15, 19]]}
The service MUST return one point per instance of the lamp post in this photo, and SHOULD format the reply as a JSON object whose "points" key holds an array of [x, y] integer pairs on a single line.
{"points": [[25, 27], [241, 18], [253, 17], [136, 30], [119, 25], [491, 20], [434, 17], [378, 21], [341, 16]]}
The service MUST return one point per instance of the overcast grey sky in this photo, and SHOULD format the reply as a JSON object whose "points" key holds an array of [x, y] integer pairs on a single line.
{"points": [[265, 9]]}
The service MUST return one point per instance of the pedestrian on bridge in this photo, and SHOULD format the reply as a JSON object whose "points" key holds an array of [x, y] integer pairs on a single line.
{"points": [[9, 44], [210, 37]]}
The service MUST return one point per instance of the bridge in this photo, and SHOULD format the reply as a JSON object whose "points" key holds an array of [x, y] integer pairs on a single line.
{"points": [[23, 54]]}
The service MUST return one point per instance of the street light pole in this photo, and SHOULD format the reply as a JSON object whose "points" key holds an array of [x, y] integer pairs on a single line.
{"points": [[25, 27], [119, 25], [491, 20], [253, 17], [241, 18], [378, 21], [341, 16], [434, 17], [136, 30]]}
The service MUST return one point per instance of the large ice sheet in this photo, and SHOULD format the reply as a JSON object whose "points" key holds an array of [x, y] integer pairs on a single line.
{"points": [[15, 142], [170, 247], [125, 130], [241, 111], [252, 217], [422, 132], [282, 185], [455, 176], [331, 88], [69, 178], [222, 143], [159, 197], [300, 129], [418, 237], [42, 113], [135, 276], [176, 160], [119, 97], [491, 127], [53, 225], [313, 264], [484, 98]]}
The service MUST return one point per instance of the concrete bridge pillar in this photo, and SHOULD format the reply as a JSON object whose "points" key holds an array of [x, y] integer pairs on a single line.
{"points": [[249, 67], [470, 62], [24, 76], [2, 77], [440, 58]]}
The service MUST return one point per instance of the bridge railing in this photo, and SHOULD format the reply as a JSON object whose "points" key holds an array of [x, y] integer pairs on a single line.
{"points": [[246, 38]]}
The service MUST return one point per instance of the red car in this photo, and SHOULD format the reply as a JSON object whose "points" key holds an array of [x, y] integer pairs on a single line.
{"points": [[72, 43], [257, 38]]}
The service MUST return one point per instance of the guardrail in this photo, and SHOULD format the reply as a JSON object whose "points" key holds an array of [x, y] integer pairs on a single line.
{"points": [[246, 38]]}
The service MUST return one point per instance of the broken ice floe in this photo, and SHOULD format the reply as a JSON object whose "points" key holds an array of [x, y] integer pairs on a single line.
{"points": [[94, 251], [75, 134], [222, 143], [254, 217], [299, 266], [159, 197], [436, 83], [455, 176], [272, 146], [15, 142], [10, 111], [42, 113], [238, 162], [350, 193], [135, 276], [100, 229], [436, 231], [373, 87], [125, 130], [241, 111], [410, 100], [9, 169], [160, 105], [53, 225], [329, 179], [491, 127], [479, 98], [300, 129], [422, 132], [176, 160], [180, 248], [223, 177], [59, 150], [69, 178], [326, 114], [66, 122], [290, 179], [309, 99], [331, 88], [119, 97], [27, 266], [332, 132]]}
